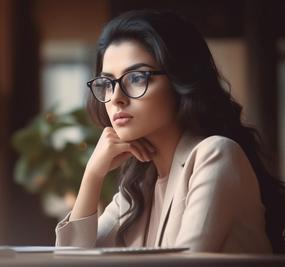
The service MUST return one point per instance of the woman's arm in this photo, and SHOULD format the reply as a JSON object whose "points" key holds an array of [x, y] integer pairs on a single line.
{"points": [[83, 232], [80, 227], [109, 154]]}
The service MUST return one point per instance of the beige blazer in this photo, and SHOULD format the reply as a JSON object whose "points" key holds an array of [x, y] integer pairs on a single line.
{"points": [[212, 204]]}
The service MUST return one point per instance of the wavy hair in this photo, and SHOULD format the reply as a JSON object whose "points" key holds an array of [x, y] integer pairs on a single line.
{"points": [[205, 106]]}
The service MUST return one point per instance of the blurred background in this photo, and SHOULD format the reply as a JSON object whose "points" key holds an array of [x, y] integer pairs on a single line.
{"points": [[46, 57]]}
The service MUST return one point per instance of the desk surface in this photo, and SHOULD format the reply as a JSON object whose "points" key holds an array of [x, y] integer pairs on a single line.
{"points": [[170, 259]]}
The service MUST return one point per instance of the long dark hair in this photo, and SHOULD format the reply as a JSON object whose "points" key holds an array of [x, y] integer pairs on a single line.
{"points": [[205, 106]]}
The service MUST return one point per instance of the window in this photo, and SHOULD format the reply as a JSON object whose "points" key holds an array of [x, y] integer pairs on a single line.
{"points": [[66, 69]]}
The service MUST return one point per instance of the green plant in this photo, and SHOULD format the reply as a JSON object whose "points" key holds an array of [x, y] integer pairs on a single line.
{"points": [[51, 163]]}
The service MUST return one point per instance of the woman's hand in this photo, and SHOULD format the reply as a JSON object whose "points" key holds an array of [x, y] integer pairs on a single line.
{"points": [[111, 152]]}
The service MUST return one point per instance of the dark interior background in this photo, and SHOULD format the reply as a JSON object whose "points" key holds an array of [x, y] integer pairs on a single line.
{"points": [[26, 24]]}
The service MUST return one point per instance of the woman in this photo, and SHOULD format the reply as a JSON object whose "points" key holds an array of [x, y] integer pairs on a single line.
{"points": [[191, 175]]}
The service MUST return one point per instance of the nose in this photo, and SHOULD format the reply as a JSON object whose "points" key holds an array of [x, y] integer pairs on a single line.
{"points": [[118, 97]]}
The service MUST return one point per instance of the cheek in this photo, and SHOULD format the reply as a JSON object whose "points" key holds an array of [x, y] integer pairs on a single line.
{"points": [[161, 110], [165, 104]]}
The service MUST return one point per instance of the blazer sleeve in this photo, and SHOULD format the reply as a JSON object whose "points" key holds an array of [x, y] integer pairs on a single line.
{"points": [[90, 231], [214, 192]]}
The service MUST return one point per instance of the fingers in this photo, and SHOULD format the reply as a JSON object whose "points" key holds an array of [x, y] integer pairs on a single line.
{"points": [[143, 149], [148, 145], [118, 160], [134, 150]]}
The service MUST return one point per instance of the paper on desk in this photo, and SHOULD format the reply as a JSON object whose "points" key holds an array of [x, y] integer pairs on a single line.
{"points": [[119, 250], [6, 252], [28, 249]]}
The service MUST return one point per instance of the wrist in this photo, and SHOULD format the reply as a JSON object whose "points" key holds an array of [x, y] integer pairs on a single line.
{"points": [[92, 178]]}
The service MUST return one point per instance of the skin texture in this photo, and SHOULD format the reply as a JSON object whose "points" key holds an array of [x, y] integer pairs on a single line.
{"points": [[151, 133], [155, 111]]}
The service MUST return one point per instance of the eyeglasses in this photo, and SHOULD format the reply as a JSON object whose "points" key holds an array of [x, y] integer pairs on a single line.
{"points": [[133, 84]]}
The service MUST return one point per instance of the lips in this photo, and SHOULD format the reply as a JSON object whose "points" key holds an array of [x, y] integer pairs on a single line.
{"points": [[122, 118]]}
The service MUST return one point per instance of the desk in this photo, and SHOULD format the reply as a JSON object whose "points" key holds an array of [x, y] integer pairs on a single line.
{"points": [[152, 260]]}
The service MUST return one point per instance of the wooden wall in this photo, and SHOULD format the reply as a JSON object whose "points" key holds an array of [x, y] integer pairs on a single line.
{"points": [[5, 84]]}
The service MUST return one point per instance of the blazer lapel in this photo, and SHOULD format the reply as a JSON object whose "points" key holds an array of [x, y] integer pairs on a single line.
{"points": [[183, 149]]}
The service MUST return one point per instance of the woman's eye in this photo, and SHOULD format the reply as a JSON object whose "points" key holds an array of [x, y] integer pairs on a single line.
{"points": [[137, 78], [107, 85], [104, 84]]}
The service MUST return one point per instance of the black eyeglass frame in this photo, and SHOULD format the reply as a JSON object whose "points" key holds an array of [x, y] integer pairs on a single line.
{"points": [[148, 74]]}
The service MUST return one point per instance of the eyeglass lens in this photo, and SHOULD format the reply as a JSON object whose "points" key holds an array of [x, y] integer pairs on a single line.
{"points": [[133, 85]]}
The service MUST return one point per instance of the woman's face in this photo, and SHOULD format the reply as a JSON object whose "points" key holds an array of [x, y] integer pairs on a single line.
{"points": [[153, 113]]}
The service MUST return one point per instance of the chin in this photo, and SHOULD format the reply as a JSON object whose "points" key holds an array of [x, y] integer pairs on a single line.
{"points": [[127, 135]]}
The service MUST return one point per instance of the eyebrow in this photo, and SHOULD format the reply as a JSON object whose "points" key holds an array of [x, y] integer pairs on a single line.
{"points": [[130, 68]]}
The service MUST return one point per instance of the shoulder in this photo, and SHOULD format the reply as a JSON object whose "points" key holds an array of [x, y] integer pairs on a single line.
{"points": [[219, 161], [217, 150], [194, 149], [217, 141], [218, 145]]}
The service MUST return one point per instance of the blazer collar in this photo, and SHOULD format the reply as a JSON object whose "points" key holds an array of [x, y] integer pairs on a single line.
{"points": [[182, 151]]}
